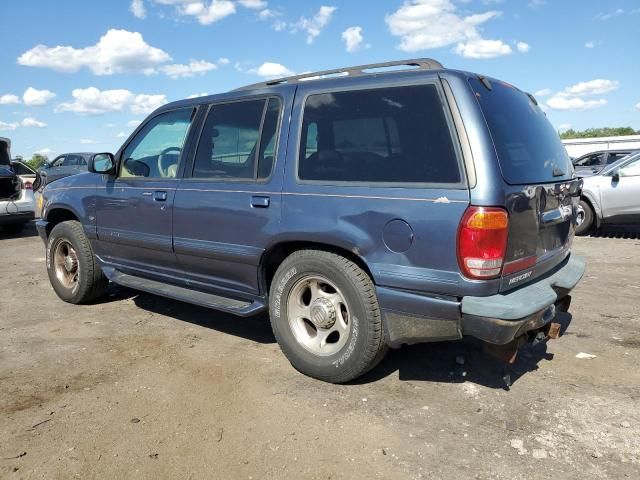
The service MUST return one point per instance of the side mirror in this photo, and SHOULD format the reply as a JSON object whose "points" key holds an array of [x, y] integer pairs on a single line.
{"points": [[102, 163], [615, 176]]}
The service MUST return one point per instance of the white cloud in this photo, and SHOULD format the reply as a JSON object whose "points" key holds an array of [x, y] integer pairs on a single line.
{"points": [[267, 13], [523, 47], [45, 151], [133, 123], [253, 4], [138, 9], [122, 135], [638, 106], [117, 51], [194, 67], [542, 93], [196, 95], [223, 61], [279, 25], [28, 122], [314, 25], [34, 97], [590, 44], [87, 141], [427, 24], [592, 87], [9, 99], [271, 70], [32, 122], [609, 15], [558, 102], [483, 49], [204, 13], [353, 39], [91, 101]]}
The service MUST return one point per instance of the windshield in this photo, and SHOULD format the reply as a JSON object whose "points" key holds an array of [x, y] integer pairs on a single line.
{"points": [[528, 147]]}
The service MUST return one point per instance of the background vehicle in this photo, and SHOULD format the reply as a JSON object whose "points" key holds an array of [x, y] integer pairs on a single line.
{"points": [[611, 197], [64, 166], [355, 208], [592, 163], [17, 203]]}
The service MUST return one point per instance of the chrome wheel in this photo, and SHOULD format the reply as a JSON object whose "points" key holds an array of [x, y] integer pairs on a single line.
{"points": [[65, 261], [580, 214], [318, 315]]}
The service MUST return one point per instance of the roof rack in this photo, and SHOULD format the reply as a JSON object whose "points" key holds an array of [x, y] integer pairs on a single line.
{"points": [[421, 63]]}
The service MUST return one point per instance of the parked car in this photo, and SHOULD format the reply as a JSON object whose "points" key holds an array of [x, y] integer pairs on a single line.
{"points": [[64, 166], [611, 197], [594, 162], [17, 203], [364, 210]]}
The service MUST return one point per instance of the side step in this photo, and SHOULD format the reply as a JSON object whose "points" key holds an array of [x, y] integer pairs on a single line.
{"points": [[237, 307]]}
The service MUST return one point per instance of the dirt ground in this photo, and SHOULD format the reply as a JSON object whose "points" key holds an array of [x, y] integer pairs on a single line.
{"points": [[141, 387]]}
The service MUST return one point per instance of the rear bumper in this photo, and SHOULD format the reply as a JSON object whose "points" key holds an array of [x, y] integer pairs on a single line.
{"points": [[17, 217], [498, 319]]}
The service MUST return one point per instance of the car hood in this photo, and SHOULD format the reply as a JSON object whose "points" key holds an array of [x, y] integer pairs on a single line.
{"points": [[85, 179]]}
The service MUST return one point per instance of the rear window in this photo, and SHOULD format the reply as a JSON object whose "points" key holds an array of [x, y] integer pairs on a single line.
{"points": [[528, 147], [385, 135]]}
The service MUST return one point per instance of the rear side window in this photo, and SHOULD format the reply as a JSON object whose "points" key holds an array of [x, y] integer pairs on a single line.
{"points": [[239, 140], [528, 147], [385, 135]]}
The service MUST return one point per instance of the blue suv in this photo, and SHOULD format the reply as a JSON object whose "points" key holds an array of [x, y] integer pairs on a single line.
{"points": [[365, 208]]}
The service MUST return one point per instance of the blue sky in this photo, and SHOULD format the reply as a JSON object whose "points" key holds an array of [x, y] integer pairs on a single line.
{"points": [[78, 75]]}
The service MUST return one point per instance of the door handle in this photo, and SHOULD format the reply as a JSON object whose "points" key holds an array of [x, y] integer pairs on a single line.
{"points": [[260, 202], [159, 196]]}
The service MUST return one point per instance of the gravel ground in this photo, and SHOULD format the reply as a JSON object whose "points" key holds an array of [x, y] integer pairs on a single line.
{"points": [[139, 386]]}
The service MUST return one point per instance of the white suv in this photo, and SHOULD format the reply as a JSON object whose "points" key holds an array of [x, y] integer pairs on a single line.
{"points": [[17, 201]]}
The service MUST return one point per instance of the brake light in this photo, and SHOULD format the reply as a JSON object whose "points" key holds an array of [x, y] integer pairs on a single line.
{"points": [[482, 241], [28, 186]]}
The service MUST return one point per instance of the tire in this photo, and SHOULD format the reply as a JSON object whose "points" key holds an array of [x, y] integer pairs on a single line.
{"points": [[79, 278], [587, 220], [14, 228], [345, 294]]}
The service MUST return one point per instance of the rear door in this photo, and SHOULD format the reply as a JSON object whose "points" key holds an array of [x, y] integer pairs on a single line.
{"points": [[540, 192], [228, 206]]}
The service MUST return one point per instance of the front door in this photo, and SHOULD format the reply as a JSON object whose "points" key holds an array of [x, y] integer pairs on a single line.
{"points": [[620, 198], [134, 209], [227, 208]]}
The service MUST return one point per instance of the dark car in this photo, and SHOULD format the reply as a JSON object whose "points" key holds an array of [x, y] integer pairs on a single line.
{"points": [[592, 163], [64, 166], [363, 210]]}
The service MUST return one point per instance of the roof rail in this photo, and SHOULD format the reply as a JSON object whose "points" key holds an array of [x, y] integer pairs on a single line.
{"points": [[421, 63]]}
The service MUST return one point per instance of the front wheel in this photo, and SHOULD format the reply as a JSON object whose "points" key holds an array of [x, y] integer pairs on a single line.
{"points": [[325, 315], [584, 218], [73, 270]]}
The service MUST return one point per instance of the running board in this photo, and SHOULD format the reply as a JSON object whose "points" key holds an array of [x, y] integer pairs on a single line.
{"points": [[216, 302]]}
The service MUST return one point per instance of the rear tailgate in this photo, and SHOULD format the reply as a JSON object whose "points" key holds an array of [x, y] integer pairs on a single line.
{"points": [[541, 192]]}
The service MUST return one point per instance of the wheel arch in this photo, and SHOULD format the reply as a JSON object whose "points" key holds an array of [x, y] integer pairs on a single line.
{"points": [[596, 212], [58, 214], [275, 255]]}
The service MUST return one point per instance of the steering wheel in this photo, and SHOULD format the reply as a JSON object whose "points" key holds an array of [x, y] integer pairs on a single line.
{"points": [[164, 171]]}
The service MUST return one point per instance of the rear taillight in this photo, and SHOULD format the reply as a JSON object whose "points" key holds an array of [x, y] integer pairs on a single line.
{"points": [[28, 186], [482, 241]]}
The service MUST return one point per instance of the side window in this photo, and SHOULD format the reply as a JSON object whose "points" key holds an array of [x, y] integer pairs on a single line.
{"points": [[387, 135], [58, 162], [269, 139], [591, 160], [630, 169], [230, 139], [155, 151], [614, 157]]}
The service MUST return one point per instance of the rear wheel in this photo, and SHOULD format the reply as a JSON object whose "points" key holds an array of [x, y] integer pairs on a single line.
{"points": [[584, 218], [73, 270], [325, 316]]}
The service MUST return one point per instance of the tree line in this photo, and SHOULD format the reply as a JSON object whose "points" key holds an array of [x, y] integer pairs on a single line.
{"points": [[598, 132]]}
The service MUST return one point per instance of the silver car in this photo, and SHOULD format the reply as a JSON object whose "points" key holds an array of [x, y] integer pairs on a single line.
{"points": [[611, 197]]}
